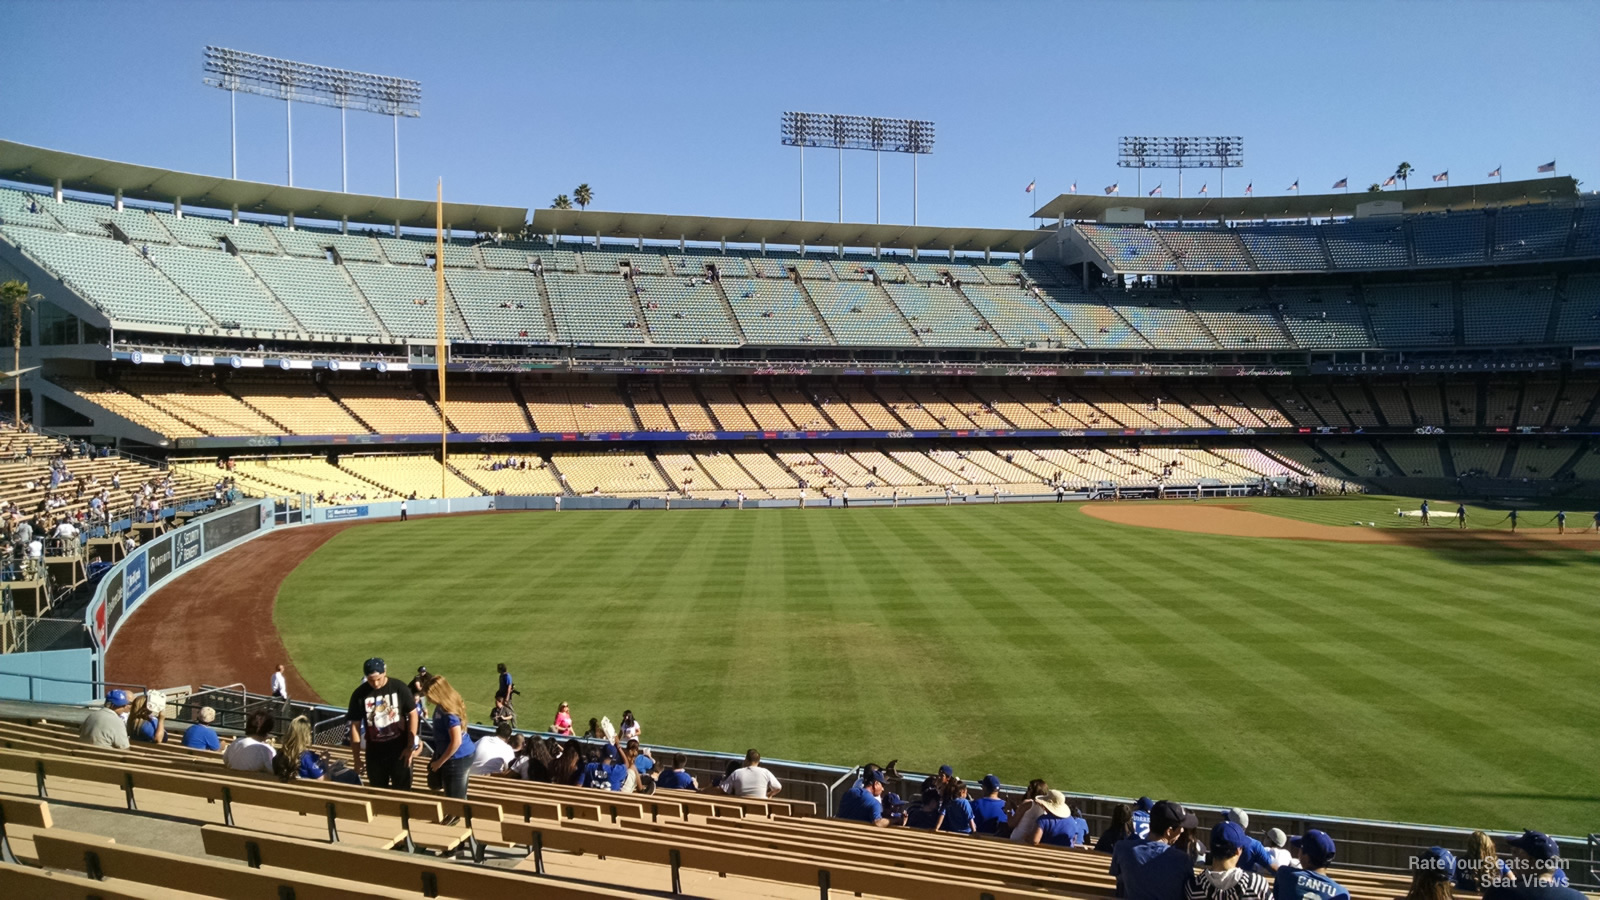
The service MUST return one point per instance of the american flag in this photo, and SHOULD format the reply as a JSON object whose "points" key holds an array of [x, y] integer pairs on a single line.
{"points": [[1442, 176], [1294, 187], [1074, 188], [1112, 189], [1548, 167], [1203, 188], [1341, 183], [1250, 188], [1389, 182], [1029, 188], [1495, 173], [1155, 190]]}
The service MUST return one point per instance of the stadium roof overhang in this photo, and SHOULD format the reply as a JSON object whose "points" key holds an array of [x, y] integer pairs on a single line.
{"points": [[1085, 207], [650, 226], [37, 165]]}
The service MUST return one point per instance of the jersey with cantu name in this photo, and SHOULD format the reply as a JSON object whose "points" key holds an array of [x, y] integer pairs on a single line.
{"points": [[1141, 823], [1304, 884]]}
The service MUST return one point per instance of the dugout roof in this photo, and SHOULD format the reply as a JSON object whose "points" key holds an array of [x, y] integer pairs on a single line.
{"points": [[656, 227], [1090, 207], [37, 165]]}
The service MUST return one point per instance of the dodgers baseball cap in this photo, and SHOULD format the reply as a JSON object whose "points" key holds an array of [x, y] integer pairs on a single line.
{"points": [[1170, 814], [373, 666], [871, 776], [1439, 863], [1227, 838], [1144, 804], [118, 698], [946, 770], [1537, 845], [990, 783], [1316, 845]]}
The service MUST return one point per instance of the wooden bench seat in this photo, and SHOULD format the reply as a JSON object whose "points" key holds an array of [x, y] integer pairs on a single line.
{"points": [[731, 859], [417, 874], [207, 878]]}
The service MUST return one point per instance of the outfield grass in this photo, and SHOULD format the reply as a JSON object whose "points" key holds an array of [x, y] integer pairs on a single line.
{"points": [[1419, 684]]}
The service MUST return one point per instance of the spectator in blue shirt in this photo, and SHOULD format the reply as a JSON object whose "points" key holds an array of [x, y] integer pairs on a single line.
{"points": [[1141, 817], [1150, 868], [955, 811], [145, 725], [1255, 857], [1316, 850], [452, 745], [676, 778], [864, 802], [200, 735], [1057, 826], [989, 811]]}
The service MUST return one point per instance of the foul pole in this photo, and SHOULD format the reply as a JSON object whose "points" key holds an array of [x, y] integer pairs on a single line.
{"points": [[439, 345]]}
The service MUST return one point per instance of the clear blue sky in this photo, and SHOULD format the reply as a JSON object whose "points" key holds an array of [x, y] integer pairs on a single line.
{"points": [[674, 107]]}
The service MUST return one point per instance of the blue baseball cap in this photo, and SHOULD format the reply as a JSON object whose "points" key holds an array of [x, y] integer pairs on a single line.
{"points": [[871, 776], [1537, 845], [1439, 863], [1144, 803], [1227, 838], [990, 783], [118, 698], [373, 666], [946, 770], [1316, 845]]}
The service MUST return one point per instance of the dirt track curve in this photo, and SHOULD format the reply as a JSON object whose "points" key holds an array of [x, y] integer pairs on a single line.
{"points": [[214, 624], [1236, 522]]}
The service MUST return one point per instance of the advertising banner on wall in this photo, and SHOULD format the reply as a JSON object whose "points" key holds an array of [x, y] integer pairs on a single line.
{"points": [[185, 547], [159, 559]]}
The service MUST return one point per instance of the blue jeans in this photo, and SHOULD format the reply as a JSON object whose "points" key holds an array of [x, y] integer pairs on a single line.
{"points": [[452, 777]]}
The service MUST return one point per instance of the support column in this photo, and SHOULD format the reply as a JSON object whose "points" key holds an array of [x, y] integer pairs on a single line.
{"points": [[177, 207], [57, 191], [233, 214], [116, 200], [289, 220]]}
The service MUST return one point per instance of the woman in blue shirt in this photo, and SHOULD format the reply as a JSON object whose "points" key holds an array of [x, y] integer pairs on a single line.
{"points": [[452, 746], [144, 725], [296, 759]]}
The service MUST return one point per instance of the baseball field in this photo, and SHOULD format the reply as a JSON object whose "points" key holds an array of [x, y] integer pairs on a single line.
{"points": [[1269, 653]]}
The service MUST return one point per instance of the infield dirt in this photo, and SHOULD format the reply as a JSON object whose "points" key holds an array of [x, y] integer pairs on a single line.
{"points": [[1234, 521]]}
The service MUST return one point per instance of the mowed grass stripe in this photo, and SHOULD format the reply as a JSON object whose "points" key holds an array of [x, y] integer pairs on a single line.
{"points": [[1028, 640]]}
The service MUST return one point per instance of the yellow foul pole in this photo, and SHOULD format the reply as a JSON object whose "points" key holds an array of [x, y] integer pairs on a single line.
{"points": [[439, 345]]}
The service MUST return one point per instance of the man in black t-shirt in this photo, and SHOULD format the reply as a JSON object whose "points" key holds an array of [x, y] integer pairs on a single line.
{"points": [[385, 709]]}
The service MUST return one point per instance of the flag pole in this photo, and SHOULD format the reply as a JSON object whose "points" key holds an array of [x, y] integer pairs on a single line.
{"points": [[439, 341]]}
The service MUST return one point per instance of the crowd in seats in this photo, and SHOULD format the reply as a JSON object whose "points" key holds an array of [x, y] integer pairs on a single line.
{"points": [[280, 811], [512, 474]]}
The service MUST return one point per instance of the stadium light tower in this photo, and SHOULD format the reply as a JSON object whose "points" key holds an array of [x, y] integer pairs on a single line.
{"points": [[289, 81], [1180, 153], [841, 132]]}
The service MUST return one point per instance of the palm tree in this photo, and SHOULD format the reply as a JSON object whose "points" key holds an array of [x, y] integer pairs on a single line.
{"points": [[1374, 188], [582, 196], [562, 201], [1403, 172], [14, 299]]}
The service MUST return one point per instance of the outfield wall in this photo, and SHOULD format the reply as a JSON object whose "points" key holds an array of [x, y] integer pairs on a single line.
{"points": [[78, 676]]}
